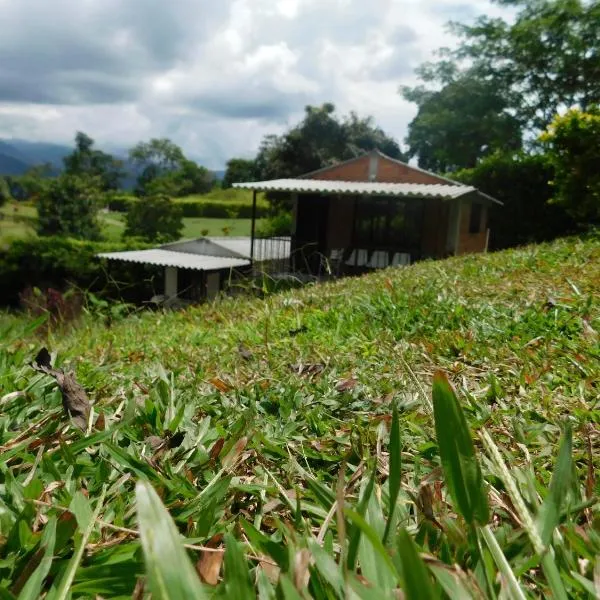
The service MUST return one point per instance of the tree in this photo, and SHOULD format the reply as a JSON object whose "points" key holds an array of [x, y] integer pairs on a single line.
{"points": [[69, 207], [155, 219], [239, 170], [319, 140], [5, 195], [32, 183], [523, 183], [460, 124], [164, 169], [86, 161], [571, 142]]}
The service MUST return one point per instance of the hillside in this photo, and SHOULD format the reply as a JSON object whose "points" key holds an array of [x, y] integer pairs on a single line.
{"points": [[270, 415]]}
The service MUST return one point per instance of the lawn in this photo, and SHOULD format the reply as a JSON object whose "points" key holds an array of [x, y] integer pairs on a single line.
{"points": [[294, 445], [21, 223]]}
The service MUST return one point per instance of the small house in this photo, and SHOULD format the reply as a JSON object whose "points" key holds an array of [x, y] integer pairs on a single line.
{"points": [[374, 211]]}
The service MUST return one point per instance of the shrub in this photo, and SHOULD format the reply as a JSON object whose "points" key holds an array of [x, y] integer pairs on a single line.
{"points": [[59, 263], [121, 204], [156, 218], [220, 210], [69, 207], [522, 183], [280, 224], [572, 145]]}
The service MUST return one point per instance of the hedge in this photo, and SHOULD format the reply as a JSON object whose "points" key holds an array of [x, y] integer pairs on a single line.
{"points": [[59, 263], [199, 208]]}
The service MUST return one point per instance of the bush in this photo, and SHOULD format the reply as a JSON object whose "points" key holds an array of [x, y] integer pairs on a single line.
{"points": [[121, 204], [60, 263], [280, 224], [69, 207], [220, 210], [572, 145], [155, 219], [522, 183]]}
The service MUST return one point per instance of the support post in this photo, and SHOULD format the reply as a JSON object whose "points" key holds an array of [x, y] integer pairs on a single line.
{"points": [[253, 227], [170, 283]]}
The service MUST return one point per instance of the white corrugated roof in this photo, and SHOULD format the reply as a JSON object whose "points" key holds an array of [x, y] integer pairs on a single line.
{"points": [[183, 260], [374, 188], [269, 249]]}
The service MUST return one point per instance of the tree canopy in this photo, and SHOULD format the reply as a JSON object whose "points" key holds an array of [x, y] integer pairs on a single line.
{"points": [[508, 78], [239, 170], [155, 219], [320, 139]]}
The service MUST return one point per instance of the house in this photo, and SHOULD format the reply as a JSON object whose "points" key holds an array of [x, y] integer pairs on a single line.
{"points": [[374, 211], [198, 269]]}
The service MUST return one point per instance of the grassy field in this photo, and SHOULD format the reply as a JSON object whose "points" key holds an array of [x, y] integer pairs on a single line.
{"points": [[228, 195], [21, 223], [294, 445]]}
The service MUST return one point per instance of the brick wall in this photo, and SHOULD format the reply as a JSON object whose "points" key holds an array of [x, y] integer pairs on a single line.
{"points": [[390, 171], [357, 170], [435, 229]]}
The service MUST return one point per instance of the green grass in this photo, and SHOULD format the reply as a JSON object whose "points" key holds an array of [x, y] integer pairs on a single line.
{"points": [[291, 455], [21, 223], [229, 195]]}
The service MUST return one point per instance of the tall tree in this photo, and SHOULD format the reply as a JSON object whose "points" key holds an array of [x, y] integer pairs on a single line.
{"points": [[239, 170], [545, 59], [460, 124], [69, 207], [164, 169], [87, 161], [156, 219], [319, 140]]}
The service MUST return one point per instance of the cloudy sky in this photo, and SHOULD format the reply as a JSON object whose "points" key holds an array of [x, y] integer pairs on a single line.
{"points": [[213, 75]]}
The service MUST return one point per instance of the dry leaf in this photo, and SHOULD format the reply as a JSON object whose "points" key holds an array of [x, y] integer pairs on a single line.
{"points": [[209, 563], [237, 449], [220, 384], [216, 449], [100, 422], [74, 398], [346, 384], [301, 572]]}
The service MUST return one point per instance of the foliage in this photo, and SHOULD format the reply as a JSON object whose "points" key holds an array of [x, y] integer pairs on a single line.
{"points": [[164, 170], [239, 170], [87, 161], [319, 140], [156, 219], [504, 77], [276, 225], [221, 210], [59, 263], [522, 183], [572, 146], [277, 453], [32, 183], [5, 195], [445, 135], [69, 207]]}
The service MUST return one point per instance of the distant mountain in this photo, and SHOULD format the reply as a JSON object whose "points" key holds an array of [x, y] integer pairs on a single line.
{"points": [[10, 164], [17, 156]]}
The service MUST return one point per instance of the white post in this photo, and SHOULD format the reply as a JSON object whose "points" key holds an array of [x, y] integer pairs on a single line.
{"points": [[170, 282]]}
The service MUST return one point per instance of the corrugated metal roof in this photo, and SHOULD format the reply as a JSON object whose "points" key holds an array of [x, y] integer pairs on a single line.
{"points": [[271, 249], [183, 260], [325, 186]]}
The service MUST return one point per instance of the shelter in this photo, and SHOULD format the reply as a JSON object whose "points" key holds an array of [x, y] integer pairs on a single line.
{"points": [[374, 211], [198, 269]]}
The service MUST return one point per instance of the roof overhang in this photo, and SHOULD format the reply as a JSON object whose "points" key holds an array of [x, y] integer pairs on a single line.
{"points": [[362, 188], [182, 260]]}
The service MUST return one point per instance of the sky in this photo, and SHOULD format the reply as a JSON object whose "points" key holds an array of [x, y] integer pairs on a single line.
{"points": [[214, 76]]}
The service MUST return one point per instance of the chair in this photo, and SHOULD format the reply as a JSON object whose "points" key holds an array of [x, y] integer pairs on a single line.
{"points": [[401, 259], [358, 258], [379, 260]]}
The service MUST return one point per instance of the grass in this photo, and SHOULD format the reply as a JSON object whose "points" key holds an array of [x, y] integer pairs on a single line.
{"points": [[219, 195], [298, 450], [21, 223]]}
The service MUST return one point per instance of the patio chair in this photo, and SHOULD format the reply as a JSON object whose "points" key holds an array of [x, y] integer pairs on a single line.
{"points": [[379, 260], [401, 259]]}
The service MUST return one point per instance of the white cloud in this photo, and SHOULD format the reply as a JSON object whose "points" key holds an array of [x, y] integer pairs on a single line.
{"points": [[213, 76]]}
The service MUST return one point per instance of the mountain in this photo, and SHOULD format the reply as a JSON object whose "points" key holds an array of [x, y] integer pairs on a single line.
{"points": [[10, 164], [17, 156]]}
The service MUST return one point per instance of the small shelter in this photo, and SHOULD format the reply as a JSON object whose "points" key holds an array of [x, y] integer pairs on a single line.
{"points": [[374, 211], [199, 269]]}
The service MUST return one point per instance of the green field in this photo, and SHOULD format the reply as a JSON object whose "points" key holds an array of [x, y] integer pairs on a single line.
{"points": [[21, 223], [276, 440]]}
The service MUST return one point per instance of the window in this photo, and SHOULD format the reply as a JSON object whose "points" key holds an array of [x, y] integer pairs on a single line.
{"points": [[476, 214]]}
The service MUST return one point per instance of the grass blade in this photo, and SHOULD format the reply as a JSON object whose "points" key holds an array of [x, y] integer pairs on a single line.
{"points": [[33, 588], [170, 572], [237, 576], [63, 590], [417, 582], [355, 532], [514, 589], [395, 478], [457, 452], [549, 515]]}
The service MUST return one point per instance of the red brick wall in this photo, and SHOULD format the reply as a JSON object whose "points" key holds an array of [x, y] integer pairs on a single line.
{"points": [[435, 229], [392, 172], [357, 170], [388, 171], [471, 242]]}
